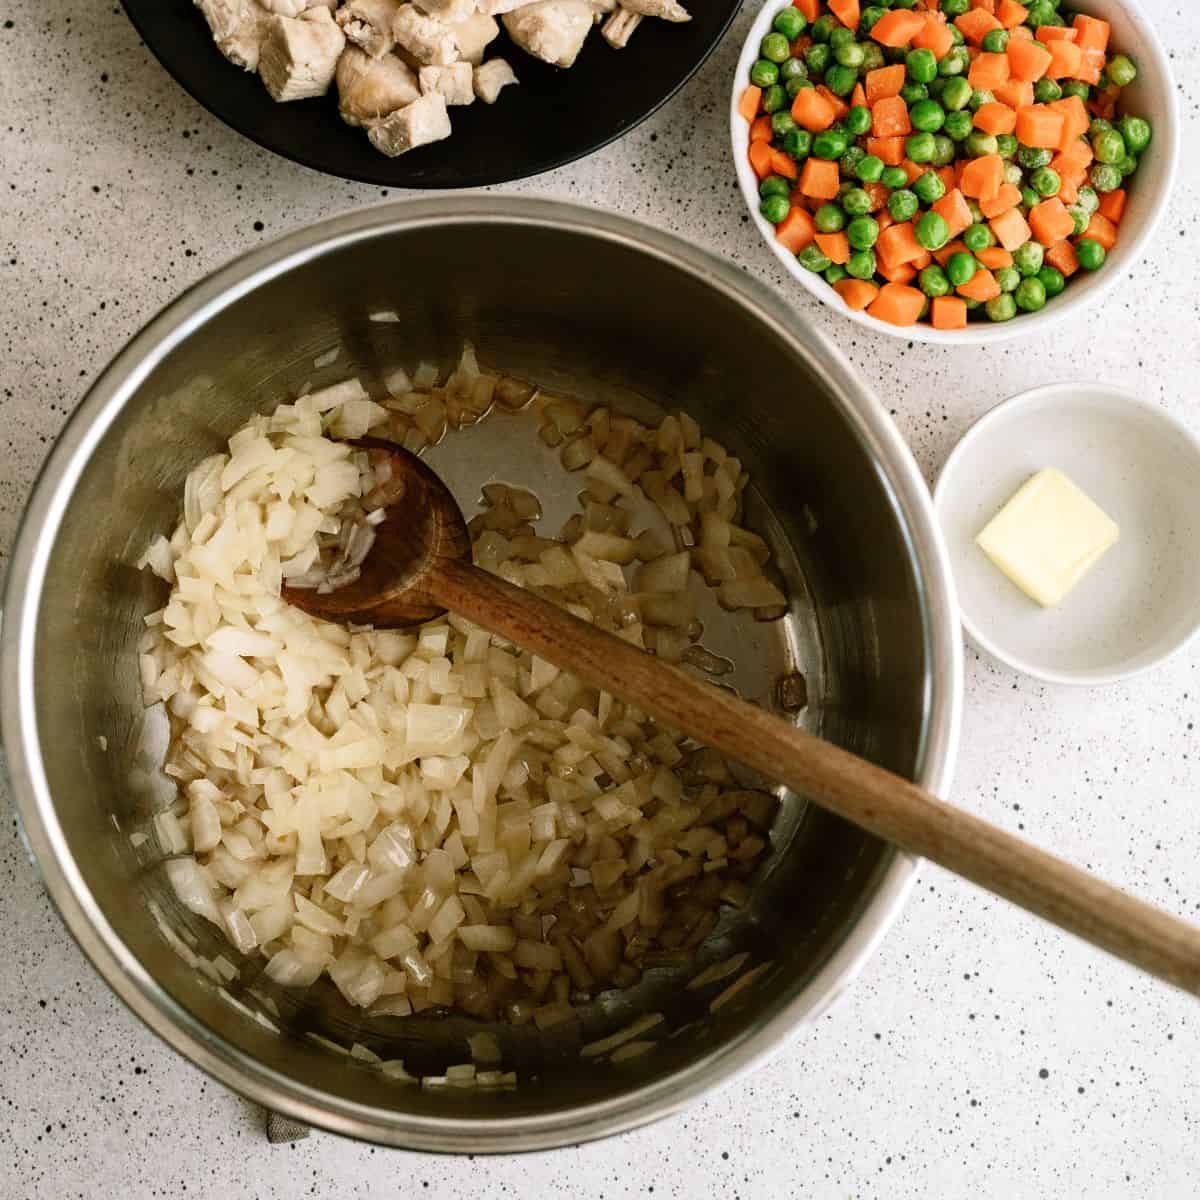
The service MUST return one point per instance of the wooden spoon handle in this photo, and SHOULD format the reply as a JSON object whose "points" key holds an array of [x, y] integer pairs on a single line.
{"points": [[884, 804]]}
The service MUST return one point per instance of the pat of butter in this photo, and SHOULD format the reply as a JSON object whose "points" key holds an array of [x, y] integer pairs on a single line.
{"points": [[1048, 536]]}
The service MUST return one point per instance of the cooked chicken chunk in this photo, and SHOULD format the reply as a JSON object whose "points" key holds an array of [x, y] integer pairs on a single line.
{"points": [[454, 82], [618, 29], [417, 124], [665, 10], [447, 11], [371, 88], [429, 41], [552, 30], [285, 8], [300, 55], [474, 35], [238, 27], [491, 78], [497, 8], [368, 24]]}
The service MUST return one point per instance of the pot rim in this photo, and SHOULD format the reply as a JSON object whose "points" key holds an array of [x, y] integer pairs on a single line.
{"points": [[83, 916]]}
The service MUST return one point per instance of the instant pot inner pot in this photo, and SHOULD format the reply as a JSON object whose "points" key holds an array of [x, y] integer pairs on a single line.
{"points": [[585, 316]]}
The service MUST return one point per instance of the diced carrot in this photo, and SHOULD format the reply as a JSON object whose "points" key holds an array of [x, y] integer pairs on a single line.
{"points": [[819, 179], [1040, 126], [1101, 229], [1009, 196], [748, 104], [835, 246], [948, 251], [800, 45], [811, 111], [953, 209], [897, 27], [857, 293], [839, 106], [986, 5], [783, 164], [975, 24], [1027, 60], [1112, 205], [1011, 229], [1093, 64], [912, 170], [846, 11], [995, 117], [1075, 119], [885, 81], [1066, 59], [1102, 104], [897, 272], [1068, 190], [889, 117], [897, 304], [995, 258], [1055, 33], [884, 219], [948, 176], [890, 150], [760, 129], [948, 312], [1050, 221], [1016, 93], [1093, 33], [898, 244], [1074, 156], [810, 8], [982, 177], [919, 264], [796, 230], [936, 36], [982, 286], [1061, 256], [1010, 14], [878, 195], [760, 158], [858, 97], [988, 71]]}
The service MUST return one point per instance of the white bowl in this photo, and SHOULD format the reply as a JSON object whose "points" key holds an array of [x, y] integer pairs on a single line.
{"points": [[1141, 602], [1152, 95]]}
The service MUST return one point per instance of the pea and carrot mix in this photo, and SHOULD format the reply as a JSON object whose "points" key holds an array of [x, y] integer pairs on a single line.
{"points": [[934, 159]]}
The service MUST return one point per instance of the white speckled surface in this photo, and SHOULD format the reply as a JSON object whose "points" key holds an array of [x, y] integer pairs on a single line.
{"points": [[981, 1055]]}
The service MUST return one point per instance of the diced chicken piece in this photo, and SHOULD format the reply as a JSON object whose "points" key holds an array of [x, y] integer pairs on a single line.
{"points": [[238, 28], [429, 41], [665, 10], [368, 24], [449, 12], [300, 55], [285, 8], [474, 35], [603, 7], [491, 78], [552, 30], [497, 8], [618, 29], [371, 88], [454, 82], [416, 124]]}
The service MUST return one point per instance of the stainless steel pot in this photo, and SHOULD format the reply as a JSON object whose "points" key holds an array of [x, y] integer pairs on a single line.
{"points": [[550, 291]]}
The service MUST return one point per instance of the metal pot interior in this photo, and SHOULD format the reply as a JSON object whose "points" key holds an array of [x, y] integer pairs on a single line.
{"points": [[604, 319]]}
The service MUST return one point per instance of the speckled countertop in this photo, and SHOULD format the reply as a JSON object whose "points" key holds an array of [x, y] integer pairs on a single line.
{"points": [[980, 1054]]}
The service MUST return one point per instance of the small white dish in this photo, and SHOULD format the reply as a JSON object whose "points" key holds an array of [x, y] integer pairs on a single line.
{"points": [[1141, 602]]}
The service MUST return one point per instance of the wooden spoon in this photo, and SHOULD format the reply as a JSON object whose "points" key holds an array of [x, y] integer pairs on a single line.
{"points": [[419, 566]]}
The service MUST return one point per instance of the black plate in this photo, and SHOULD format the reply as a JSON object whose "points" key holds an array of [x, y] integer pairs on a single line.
{"points": [[550, 118]]}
